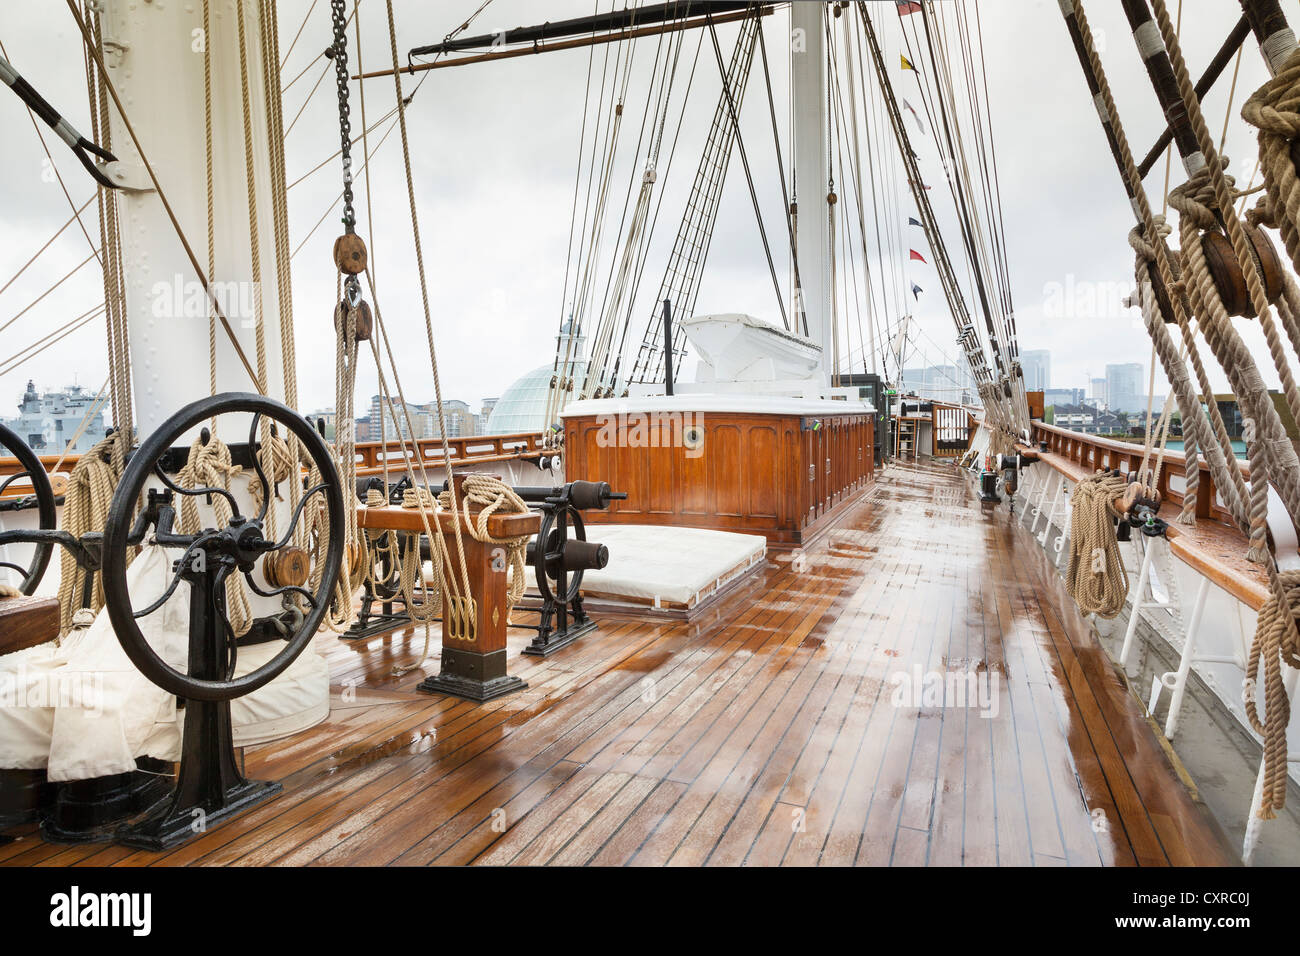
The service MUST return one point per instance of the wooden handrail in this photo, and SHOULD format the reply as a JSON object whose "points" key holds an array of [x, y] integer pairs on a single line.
{"points": [[1099, 452], [465, 450]]}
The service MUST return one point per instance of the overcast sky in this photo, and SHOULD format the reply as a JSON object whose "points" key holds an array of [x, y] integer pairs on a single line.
{"points": [[495, 153]]}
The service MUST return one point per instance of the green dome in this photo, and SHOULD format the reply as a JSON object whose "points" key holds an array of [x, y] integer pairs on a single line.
{"points": [[522, 406]]}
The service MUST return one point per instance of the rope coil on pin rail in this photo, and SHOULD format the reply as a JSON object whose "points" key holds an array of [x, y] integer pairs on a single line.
{"points": [[492, 495], [1096, 579]]}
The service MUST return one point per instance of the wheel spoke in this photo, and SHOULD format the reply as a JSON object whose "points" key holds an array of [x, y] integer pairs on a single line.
{"points": [[176, 578], [11, 479], [255, 447], [297, 512], [276, 592], [195, 492]]}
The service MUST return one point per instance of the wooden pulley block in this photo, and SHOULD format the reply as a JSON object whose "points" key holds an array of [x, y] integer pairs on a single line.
{"points": [[286, 567], [364, 320], [1227, 274], [1162, 297], [350, 254]]}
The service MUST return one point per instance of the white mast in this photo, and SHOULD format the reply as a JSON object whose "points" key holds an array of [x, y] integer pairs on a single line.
{"points": [[154, 54], [811, 172]]}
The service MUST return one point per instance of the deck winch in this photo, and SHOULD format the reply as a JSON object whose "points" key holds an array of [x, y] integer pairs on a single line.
{"points": [[559, 561]]}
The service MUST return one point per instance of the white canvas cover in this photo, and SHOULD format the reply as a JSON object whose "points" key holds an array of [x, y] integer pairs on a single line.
{"points": [[670, 564], [81, 709]]}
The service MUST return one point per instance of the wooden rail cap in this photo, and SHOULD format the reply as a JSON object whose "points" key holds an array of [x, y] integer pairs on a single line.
{"points": [[393, 518], [27, 621]]}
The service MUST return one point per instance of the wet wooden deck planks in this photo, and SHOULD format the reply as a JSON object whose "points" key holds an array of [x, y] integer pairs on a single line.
{"points": [[772, 733]]}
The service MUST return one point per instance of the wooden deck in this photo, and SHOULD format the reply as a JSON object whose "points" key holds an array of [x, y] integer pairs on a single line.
{"points": [[771, 732]]}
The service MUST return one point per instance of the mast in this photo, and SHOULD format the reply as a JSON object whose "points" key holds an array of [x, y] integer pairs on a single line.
{"points": [[154, 58], [811, 173]]}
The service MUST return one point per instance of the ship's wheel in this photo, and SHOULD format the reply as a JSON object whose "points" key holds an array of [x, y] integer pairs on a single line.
{"points": [[42, 496], [210, 786]]}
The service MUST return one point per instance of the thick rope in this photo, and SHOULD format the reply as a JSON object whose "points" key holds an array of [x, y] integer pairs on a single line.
{"points": [[1192, 201], [1213, 188], [86, 501], [492, 495], [1276, 643], [1097, 579], [1275, 110], [1207, 423]]}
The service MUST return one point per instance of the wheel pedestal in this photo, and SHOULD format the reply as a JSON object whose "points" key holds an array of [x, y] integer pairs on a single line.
{"points": [[210, 788]]}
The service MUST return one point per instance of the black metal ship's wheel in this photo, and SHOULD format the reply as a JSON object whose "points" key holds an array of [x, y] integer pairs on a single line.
{"points": [[33, 471], [209, 557], [554, 581]]}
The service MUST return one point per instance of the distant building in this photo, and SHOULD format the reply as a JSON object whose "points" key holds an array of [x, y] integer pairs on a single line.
{"points": [[481, 427], [1088, 419], [1125, 388], [460, 420], [394, 421], [1037, 366], [47, 422], [1097, 392], [1063, 396]]}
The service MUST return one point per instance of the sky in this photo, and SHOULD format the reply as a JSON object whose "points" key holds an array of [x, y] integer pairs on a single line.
{"points": [[495, 152]]}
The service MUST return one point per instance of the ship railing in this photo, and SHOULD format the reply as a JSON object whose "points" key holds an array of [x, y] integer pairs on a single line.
{"points": [[465, 450], [1194, 589], [952, 425], [469, 450], [1093, 452]]}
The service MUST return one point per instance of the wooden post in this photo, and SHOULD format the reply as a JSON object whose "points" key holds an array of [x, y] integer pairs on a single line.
{"points": [[474, 625]]}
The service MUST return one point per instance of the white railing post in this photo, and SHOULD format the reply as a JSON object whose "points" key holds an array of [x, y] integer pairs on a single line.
{"points": [[1253, 822], [1180, 676], [1136, 596]]}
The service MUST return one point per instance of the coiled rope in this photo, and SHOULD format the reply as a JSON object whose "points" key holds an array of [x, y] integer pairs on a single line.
{"points": [[1275, 110], [1097, 579], [85, 508], [492, 495]]}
